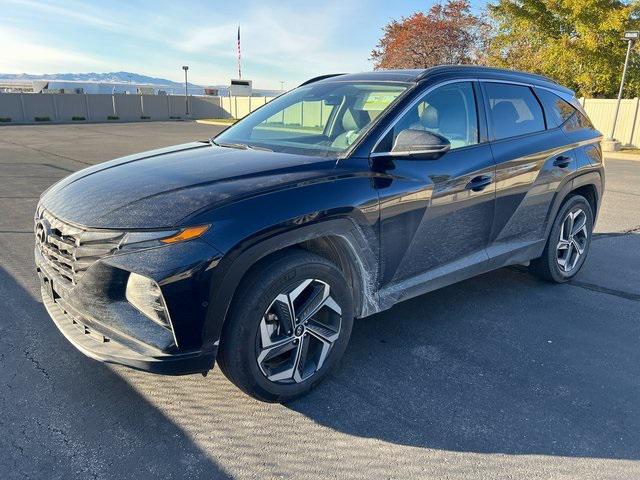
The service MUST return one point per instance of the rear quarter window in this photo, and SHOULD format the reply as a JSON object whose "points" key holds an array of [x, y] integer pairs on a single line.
{"points": [[557, 110], [578, 121]]}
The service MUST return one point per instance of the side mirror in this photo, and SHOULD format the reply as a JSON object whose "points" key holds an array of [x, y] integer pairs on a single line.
{"points": [[420, 144]]}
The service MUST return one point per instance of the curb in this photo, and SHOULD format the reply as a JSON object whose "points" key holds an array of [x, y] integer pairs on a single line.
{"points": [[215, 122], [621, 155]]}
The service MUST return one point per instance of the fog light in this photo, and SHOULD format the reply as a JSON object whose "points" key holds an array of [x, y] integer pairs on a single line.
{"points": [[145, 294]]}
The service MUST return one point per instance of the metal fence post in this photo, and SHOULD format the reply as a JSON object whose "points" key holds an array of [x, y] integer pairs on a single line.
{"points": [[635, 119]]}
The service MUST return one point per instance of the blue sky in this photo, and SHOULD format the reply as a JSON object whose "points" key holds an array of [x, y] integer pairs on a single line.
{"points": [[281, 40]]}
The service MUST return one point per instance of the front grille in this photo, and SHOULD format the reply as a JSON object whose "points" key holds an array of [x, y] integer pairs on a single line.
{"points": [[70, 250]]}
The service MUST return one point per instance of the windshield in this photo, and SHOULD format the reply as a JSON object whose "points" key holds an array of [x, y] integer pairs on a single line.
{"points": [[317, 119]]}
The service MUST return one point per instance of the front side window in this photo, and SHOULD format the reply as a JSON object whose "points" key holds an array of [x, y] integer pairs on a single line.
{"points": [[318, 119], [513, 110], [449, 111]]}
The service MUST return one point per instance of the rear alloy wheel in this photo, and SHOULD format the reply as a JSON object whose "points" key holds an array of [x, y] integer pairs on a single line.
{"points": [[568, 243], [289, 324], [573, 240]]}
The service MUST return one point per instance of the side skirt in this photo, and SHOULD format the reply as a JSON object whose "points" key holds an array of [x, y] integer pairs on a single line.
{"points": [[495, 257]]}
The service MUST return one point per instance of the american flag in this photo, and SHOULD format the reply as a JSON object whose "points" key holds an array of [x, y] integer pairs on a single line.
{"points": [[239, 55]]}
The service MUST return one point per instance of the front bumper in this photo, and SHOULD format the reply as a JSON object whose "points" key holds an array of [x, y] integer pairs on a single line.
{"points": [[94, 315], [97, 346]]}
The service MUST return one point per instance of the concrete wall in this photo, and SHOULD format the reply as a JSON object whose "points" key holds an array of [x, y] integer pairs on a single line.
{"points": [[73, 107], [100, 106], [154, 107], [24, 108], [207, 107], [35, 107], [239, 107], [11, 107], [128, 107]]}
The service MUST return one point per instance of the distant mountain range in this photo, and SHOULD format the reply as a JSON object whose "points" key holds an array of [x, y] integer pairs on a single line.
{"points": [[126, 77], [111, 77]]}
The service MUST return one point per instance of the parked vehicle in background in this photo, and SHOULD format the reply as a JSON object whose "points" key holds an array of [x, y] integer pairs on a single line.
{"points": [[259, 247]]}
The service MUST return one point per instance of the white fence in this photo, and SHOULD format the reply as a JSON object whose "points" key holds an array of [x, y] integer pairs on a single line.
{"points": [[601, 111]]}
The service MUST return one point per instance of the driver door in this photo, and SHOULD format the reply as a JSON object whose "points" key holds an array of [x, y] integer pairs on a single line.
{"points": [[436, 214]]}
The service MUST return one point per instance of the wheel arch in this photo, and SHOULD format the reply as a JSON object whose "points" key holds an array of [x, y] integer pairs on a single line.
{"points": [[589, 184], [590, 192], [339, 241]]}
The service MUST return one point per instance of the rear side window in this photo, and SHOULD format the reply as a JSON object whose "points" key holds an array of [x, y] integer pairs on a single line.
{"points": [[514, 110], [557, 110]]}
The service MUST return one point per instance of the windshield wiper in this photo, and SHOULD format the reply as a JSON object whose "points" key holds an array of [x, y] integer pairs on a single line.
{"points": [[240, 146]]}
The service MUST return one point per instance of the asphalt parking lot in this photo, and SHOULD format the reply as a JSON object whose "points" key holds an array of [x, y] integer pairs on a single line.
{"points": [[501, 376]]}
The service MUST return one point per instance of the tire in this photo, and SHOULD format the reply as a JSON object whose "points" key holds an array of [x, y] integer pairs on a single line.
{"points": [[550, 265], [265, 354]]}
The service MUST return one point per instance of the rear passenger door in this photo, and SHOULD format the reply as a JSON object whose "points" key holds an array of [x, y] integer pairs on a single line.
{"points": [[533, 158]]}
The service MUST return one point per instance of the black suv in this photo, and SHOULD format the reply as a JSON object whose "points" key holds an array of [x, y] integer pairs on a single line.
{"points": [[337, 200]]}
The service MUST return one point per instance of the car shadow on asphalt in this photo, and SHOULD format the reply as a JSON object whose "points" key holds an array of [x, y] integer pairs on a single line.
{"points": [[65, 416], [503, 363]]}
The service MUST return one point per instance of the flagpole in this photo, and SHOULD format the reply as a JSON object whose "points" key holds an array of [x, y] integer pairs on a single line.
{"points": [[239, 56]]}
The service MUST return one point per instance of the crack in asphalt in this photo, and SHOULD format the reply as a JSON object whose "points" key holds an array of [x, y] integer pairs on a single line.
{"points": [[36, 363], [39, 150], [623, 192], [599, 236], [50, 165], [609, 291]]}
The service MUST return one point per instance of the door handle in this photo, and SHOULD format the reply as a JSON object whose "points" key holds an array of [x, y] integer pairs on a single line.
{"points": [[562, 161], [479, 183]]}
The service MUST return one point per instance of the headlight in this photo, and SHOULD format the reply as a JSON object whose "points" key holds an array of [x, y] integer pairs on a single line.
{"points": [[145, 294], [155, 238]]}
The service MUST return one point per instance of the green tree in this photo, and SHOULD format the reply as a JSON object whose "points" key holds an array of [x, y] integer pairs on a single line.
{"points": [[576, 42]]}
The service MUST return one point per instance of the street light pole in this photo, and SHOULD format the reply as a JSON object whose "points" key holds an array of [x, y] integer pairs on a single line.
{"points": [[186, 90], [624, 75]]}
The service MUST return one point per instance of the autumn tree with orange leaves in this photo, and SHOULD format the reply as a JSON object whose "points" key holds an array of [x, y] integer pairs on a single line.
{"points": [[447, 34]]}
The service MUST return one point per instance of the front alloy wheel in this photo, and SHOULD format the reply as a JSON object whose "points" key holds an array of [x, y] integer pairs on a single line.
{"points": [[297, 332], [289, 324]]}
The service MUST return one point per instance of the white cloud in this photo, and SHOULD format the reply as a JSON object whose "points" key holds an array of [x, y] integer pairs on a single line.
{"points": [[278, 37], [278, 43], [19, 53], [72, 12]]}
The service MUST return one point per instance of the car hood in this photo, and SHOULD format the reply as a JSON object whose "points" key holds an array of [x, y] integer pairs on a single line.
{"points": [[159, 188]]}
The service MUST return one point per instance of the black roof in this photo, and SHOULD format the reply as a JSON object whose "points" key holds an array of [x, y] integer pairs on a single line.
{"points": [[441, 72]]}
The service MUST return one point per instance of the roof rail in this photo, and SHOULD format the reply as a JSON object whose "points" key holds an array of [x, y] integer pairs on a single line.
{"points": [[426, 72], [321, 77]]}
